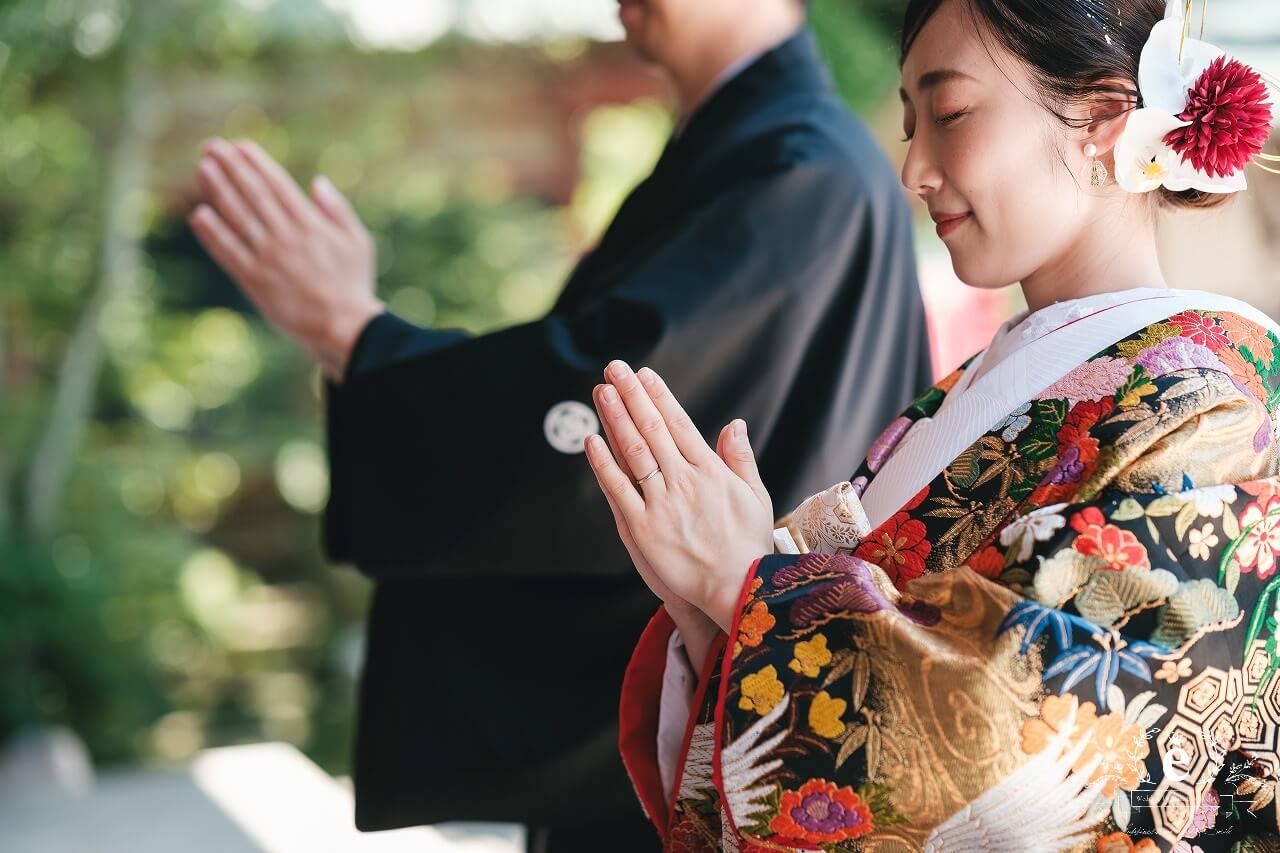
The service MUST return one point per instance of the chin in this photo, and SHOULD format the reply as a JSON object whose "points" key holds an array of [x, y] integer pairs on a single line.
{"points": [[979, 272]]}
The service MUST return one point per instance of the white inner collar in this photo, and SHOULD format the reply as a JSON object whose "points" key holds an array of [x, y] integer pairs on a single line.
{"points": [[1078, 330], [1025, 327]]}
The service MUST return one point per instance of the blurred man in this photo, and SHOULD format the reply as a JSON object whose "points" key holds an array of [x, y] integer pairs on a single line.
{"points": [[765, 268]]}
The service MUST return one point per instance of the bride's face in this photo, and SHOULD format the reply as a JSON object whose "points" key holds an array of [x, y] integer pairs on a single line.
{"points": [[998, 171]]}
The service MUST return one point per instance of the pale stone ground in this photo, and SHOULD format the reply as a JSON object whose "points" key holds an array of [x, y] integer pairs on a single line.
{"points": [[263, 798]]}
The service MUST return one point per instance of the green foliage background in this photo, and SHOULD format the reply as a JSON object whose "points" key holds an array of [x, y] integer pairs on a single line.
{"points": [[161, 471]]}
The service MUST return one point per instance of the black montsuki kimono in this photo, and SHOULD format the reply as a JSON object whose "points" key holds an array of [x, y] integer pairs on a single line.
{"points": [[765, 269]]}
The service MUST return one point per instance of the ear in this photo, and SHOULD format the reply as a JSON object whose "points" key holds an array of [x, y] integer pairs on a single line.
{"points": [[1105, 113]]}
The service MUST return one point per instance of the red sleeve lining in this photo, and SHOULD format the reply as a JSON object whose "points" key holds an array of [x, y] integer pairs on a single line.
{"points": [[699, 696], [638, 716]]}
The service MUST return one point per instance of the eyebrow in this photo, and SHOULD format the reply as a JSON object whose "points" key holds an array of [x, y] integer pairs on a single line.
{"points": [[933, 79]]}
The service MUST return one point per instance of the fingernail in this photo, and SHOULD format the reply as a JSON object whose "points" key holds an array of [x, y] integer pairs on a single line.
{"points": [[325, 187], [619, 370], [647, 376], [610, 395], [739, 428]]}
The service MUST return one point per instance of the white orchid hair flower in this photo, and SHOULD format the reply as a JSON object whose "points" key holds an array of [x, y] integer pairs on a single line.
{"points": [[1205, 116]]}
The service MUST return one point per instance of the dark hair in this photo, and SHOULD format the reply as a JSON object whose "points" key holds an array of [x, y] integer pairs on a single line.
{"points": [[1072, 49]]}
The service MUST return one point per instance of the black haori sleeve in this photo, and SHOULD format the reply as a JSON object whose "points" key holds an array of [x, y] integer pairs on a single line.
{"points": [[452, 455]]}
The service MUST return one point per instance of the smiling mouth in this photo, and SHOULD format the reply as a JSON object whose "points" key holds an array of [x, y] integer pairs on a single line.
{"points": [[946, 224]]}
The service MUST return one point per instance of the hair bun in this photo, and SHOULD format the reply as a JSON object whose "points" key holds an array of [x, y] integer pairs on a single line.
{"points": [[1192, 199]]}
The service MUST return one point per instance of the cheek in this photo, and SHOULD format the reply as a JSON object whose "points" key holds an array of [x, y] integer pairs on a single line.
{"points": [[1005, 171], [659, 12], [1024, 201]]}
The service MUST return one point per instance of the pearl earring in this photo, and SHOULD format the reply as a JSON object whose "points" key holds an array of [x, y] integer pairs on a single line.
{"points": [[1097, 169]]}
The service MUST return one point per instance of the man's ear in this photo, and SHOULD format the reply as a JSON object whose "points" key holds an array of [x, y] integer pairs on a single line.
{"points": [[1106, 113]]}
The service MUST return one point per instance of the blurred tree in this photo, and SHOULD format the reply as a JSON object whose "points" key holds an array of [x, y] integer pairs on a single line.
{"points": [[859, 40], [106, 478]]}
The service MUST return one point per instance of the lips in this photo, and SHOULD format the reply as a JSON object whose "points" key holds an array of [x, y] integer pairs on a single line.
{"points": [[948, 222]]}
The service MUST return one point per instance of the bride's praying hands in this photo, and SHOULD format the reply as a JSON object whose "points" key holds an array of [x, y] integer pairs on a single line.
{"points": [[693, 518]]}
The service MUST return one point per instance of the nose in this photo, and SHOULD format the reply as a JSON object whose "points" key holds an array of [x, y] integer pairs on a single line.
{"points": [[920, 173]]}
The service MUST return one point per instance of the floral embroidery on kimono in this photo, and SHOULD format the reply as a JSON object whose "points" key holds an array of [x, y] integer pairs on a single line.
{"points": [[1066, 641]]}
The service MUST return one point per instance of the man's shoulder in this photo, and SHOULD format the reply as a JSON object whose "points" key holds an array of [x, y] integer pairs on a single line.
{"points": [[828, 141]]}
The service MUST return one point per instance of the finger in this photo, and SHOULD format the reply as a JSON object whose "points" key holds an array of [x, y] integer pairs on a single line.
{"points": [[630, 447], [334, 205], [643, 566], [613, 482], [647, 465], [625, 534], [614, 447], [222, 243], [645, 417], [281, 184], [741, 459], [250, 185], [686, 436], [722, 442], [228, 204], [611, 433]]}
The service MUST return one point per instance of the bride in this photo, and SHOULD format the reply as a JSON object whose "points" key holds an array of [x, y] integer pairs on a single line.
{"points": [[1042, 613]]}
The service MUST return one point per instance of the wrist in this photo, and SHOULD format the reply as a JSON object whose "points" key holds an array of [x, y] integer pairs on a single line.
{"points": [[683, 612], [338, 340], [696, 630], [725, 591]]}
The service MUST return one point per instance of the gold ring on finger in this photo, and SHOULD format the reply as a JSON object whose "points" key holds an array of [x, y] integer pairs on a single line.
{"points": [[647, 477]]}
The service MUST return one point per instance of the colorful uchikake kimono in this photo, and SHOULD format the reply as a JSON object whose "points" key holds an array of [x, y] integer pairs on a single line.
{"points": [[1066, 640]]}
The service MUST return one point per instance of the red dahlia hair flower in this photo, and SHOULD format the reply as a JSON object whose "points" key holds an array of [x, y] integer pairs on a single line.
{"points": [[1230, 119]]}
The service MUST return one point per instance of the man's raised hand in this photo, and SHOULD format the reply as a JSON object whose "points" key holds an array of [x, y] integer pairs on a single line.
{"points": [[306, 262]]}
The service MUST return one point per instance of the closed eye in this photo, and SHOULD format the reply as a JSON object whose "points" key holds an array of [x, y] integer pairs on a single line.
{"points": [[941, 121]]}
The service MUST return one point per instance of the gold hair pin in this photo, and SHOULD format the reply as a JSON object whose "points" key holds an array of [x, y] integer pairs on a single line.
{"points": [[1188, 7]]}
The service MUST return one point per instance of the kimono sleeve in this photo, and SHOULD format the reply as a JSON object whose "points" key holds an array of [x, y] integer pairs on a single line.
{"points": [[440, 461], [689, 803], [1111, 677], [1150, 628], [1157, 610]]}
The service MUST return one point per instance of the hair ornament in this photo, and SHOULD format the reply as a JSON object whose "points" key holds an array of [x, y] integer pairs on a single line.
{"points": [[1205, 116]]}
